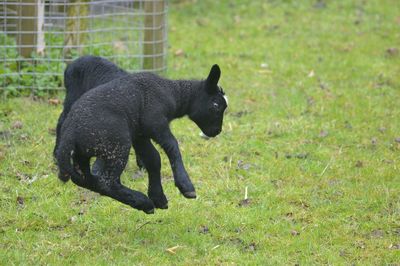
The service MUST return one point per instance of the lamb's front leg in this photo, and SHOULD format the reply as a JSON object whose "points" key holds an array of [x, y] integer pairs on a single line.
{"points": [[170, 145]]}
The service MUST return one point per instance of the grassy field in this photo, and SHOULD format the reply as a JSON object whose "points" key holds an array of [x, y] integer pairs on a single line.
{"points": [[312, 132]]}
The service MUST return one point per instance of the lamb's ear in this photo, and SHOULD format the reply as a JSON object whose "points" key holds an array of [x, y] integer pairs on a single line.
{"points": [[213, 77]]}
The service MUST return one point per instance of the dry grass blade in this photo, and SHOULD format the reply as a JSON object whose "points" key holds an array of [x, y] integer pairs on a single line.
{"points": [[173, 249]]}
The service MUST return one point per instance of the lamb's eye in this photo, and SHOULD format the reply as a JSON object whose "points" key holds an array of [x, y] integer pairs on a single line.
{"points": [[215, 105]]}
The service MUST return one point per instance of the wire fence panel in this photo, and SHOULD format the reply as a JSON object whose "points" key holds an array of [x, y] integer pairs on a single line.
{"points": [[39, 38]]}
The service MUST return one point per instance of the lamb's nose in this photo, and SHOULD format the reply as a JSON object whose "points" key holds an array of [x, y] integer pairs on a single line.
{"points": [[204, 136], [216, 132]]}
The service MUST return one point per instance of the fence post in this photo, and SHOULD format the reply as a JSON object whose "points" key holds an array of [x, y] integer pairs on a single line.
{"points": [[76, 27], [154, 34], [30, 22]]}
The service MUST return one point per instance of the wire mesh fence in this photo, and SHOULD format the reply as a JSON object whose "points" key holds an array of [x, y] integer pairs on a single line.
{"points": [[38, 38]]}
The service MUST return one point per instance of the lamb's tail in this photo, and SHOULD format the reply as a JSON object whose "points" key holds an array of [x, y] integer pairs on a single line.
{"points": [[58, 133], [63, 155]]}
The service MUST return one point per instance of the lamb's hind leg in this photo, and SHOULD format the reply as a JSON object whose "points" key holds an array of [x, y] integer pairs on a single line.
{"points": [[82, 165], [98, 165], [152, 162], [135, 199], [58, 129], [109, 184]]}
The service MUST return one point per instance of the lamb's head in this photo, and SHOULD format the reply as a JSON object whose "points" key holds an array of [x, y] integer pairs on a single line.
{"points": [[208, 107]]}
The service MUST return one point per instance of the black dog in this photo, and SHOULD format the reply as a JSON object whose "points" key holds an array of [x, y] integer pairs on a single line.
{"points": [[82, 75], [107, 120]]}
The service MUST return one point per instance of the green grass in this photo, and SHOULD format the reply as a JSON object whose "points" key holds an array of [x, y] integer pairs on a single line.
{"points": [[310, 131]]}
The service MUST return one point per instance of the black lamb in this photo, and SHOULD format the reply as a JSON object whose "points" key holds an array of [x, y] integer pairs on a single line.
{"points": [[129, 111], [82, 75]]}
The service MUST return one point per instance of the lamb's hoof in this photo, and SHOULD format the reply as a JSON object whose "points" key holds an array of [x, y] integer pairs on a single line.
{"points": [[149, 211], [161, 204], [159, 200], [190, 194], [186, 189], [163, 207]]}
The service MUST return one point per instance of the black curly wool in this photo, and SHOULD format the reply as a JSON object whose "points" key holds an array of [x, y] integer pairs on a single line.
{"points": [[82, 75], [130, 111]]}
